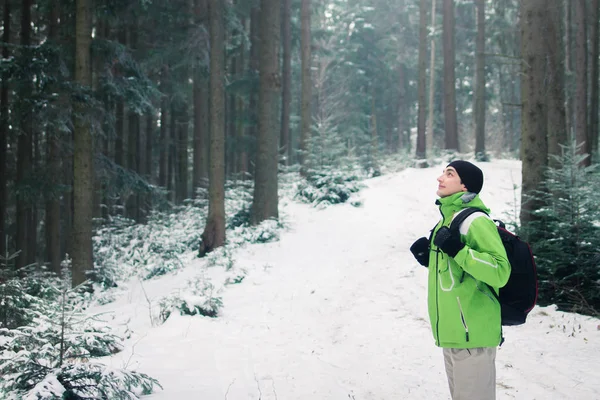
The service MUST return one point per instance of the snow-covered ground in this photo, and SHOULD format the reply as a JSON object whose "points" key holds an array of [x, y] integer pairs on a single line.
{"points": [[336, 309]]}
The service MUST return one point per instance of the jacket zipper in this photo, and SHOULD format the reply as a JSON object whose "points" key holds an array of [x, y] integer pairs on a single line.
{"points": [[462, 318], [437, 306], [437, 286]]}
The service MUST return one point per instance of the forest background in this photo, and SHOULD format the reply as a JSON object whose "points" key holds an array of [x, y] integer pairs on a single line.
{"points": [[113, 112]]}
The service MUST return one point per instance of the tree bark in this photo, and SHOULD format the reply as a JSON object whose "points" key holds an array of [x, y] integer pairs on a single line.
{"points": [[163, 157], [83, 167], [200, 93], [242, 151], [231, 111], [4, 129], [450, 122], [403, 112], [133, 151], [568, 13], [421, 151], [150, 131], [265, 201], [182, 154], [557, 126], [214, 232], [133, 134], [53, 161], [534, 147], [286, 37], [120, 115], [479, 101], [594, 75], [581, 82], [172, 153], [24, 149], [201, 139], [431, 101], [306, 60]]}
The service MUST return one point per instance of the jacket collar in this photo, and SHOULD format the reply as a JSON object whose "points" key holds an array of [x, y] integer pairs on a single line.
{"points": [[457, 201]]}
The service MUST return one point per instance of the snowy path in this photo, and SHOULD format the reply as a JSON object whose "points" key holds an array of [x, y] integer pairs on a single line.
{"points": [[336, 310]]}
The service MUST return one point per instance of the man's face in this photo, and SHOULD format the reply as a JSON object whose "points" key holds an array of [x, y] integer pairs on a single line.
{"points": [[449, 183]]}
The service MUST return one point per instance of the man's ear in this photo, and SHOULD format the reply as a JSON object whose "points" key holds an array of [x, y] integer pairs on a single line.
{"points": [[464, 188]]}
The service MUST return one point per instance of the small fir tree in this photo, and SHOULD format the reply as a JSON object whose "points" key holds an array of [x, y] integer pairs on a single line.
{"points": [[566, 234], [45, 352]]}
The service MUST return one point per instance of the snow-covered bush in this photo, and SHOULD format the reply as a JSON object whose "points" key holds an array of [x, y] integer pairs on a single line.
{"points": [[45, 354], [123, 249], [328, 186], [198, 298], [90, 381]]}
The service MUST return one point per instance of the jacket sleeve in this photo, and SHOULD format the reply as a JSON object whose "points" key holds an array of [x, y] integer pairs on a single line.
{"points": [[484, 256]]}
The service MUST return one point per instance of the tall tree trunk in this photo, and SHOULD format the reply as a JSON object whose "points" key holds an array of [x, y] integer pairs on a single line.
{"points": [[265, 201], [403, 113], [119, 133], [450, 122], [557, 126], [150, 131], [105, 198], [374, 151], [421, 151], [214, 232], [403, 110], [4, 129], [251, 131], [53, 161], [133, 150], [133, 134], [182, 154], [479, 101], [242, 151], [172, 154], [201, 139], [568, 13], [593, 128], [286, 38], [200, 95], [431, 100], [163, 158], [24, 148], [67, 23], [83, 166], [32, 234], [534, 147], [306, 59], [120, 114], [232, 115], [581, 81]]}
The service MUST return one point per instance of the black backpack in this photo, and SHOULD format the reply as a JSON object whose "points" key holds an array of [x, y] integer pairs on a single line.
{"points": [[517, 298]]}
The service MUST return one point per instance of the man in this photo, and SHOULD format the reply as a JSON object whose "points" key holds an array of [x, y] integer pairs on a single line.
{"points": [[464, 267]]}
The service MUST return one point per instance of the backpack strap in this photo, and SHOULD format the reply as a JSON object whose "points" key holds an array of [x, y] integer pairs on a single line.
{"points": [[463, 215]]}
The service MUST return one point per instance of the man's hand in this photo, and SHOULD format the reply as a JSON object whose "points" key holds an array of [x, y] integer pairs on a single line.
{"points": [[448, 241], [420, 250]]}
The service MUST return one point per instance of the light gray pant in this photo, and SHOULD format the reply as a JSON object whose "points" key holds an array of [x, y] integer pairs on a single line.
{"points": [[471, 373]]}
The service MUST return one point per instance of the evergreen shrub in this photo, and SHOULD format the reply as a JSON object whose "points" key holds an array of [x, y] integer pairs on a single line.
{"points": [[328, 186], [565, 235], [45, 354]]}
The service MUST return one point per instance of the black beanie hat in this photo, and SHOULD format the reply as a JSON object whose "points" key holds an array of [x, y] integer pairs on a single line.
{"points": [[469, 174]]}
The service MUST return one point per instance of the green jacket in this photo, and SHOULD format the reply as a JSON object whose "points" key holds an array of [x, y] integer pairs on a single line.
{"points": [[462, 310]]}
